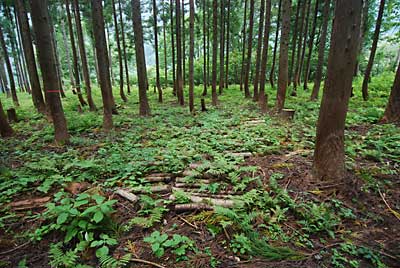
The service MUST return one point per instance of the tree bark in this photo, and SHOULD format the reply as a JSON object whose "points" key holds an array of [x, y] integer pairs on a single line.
{"points": [[121, 68], [214, 97], [311, 46], [329, 155], [272, 73], [158, 85], [9, 69], [244, 46], [283, 56], [363, 32], [82, 50], [173, 48], [5, 128], [47, 61], [108, 42], [74, 56], [37, 96], [263, 98], [102, 62], [67, 52], [392, 112], [321, 51], [299, 47], [294, 42], [370, 64], [259, 47], [144, 108], [249, 51], [227, 45], [165, 49], [179, 81], [191, 58], [124, 48], [303, 52], [183, 46], [221, 48], [205, 82]]}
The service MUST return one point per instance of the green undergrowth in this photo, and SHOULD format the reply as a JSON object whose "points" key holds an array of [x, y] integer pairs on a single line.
{"points": [[168, 141]]}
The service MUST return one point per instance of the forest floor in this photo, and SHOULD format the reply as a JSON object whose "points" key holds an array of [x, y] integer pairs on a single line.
{"points": [[68, 206]]}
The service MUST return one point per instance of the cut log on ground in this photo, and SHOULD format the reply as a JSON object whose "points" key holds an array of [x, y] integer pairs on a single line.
{"points": [[191, 207], [242, 154], [209, 201], [152, 189], [198, 181], [157, 179], [127, 195], [30, 203], [287, 114]]}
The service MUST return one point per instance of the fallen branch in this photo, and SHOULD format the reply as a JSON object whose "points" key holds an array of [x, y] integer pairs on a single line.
{"points": [[394, 212], [14, 249], [30, 203], [191, 207], [153, 189], [127, 195], [148, 262], [204, 200], [157, 179], [185, 181]]}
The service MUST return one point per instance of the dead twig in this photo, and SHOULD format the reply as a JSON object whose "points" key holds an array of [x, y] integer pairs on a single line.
{"points": [[14, 249], [148, 262], [187, 222], [394, 212]]}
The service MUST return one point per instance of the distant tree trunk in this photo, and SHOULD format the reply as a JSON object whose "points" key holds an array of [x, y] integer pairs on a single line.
{"points": [[311, 46], [227, 45], [283, 56], [299, 47], [249, 51], [191, 58], [329, 155], [263, 98], [67, 52], [165, 49], [363, 32], [42, 29], [158, 85], [367, 73], [74, 56], [303, 52], [179, 81], [82, 50], [259, 47], [144, 108], [321, 51], [173, 48], [37, 95], [102, 61], [205, 82], [392, 112], [222, 49], [9, 69], [5, 128], [183, 46], [294, 41], [208, 44], [272, 73], [244, 46], [124, 48], [108, 42], [214, 96], [121, 68]]}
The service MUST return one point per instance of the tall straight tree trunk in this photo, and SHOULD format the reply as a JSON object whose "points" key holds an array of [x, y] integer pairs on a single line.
{"points": [[208, 43], [108, 42], [244, 46], [67, 53], [21, 52], [299, 47], [179, 81], [214, 96], [311, 45], [259, 47], [102, 62], [183, 44], [283, 56], [272, 73], [392, 112], [171, 5], [321, 50], [9, 69], [294, 41], [121, 68], [222, 49], [144, 108], [5, 128], [191, 58], [263, 98], [227, 45], [42, 28], [205, 82], [82, 50], [367, 73], [165, 49], [249, 51], [363, 32], [158, 85], [329, 155], [303, 52], [124, 48], [74, 55]]}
